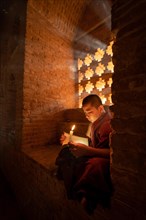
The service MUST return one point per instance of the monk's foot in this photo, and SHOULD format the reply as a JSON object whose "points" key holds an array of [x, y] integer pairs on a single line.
{"points": [[87, 205], [84, 202]]}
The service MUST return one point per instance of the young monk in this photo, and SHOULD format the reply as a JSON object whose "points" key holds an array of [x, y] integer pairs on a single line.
{"points": [[86, 169]]}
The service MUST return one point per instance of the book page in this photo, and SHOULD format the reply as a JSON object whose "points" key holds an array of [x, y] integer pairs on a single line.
{"points": [[76, 139]]}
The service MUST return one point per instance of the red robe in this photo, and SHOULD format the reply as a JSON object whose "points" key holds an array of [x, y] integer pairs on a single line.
{"points": [[88, 176]]}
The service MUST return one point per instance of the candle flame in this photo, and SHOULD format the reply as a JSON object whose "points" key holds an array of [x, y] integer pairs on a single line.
{"points": [[73, 127]]}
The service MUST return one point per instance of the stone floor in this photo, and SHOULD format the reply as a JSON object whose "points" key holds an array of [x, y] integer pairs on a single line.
{"points": [[9, 209]]}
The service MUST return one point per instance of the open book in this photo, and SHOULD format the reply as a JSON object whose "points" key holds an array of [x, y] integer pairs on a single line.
{"points": [[76, 139]]}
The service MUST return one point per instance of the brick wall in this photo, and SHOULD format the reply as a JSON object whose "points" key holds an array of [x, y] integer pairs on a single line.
{"points": [[12, 70], [129, 98], [49, 75]]}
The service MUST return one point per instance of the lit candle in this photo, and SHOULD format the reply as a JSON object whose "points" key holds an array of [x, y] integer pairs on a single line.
{"points": [[71, 132]]}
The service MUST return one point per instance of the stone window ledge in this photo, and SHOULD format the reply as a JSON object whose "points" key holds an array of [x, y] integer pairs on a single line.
{"points": [[44, 155]]}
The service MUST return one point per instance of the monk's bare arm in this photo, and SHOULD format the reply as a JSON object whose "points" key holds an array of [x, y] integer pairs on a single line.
{"points": [[82, 150], [100, 152]]}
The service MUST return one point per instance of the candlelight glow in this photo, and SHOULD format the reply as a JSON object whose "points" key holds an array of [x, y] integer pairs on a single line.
{"points": [[73, 127]]}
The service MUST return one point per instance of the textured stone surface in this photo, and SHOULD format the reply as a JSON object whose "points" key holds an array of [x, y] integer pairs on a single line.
{"points": [[49, 73], [129, 98], [12, 70]]}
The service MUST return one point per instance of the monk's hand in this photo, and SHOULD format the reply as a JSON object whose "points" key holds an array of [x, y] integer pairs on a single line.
{"points": [[62, 138], [78, 149]]}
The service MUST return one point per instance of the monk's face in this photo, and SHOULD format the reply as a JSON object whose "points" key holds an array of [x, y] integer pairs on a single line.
{"points": [[91, 112]]}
